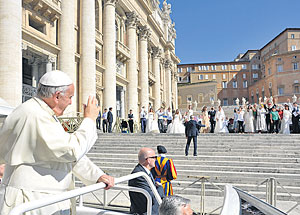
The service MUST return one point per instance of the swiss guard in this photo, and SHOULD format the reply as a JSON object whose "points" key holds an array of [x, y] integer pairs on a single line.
{"points": [[164, 171]]}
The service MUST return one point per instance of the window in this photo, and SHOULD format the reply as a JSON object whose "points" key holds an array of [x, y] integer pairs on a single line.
{"points": [[295, 57], [200, 77], [279, 68], [224, 84], [269, 71], [245, 84], [234, 84], [214, 76], [296, 89], [212, 97], [270, 84], [224, 76], [213, 67], [255, 66], [179, 78], [244, 66], [293, 36], [37, 25], [244, 76], [179, 70], [255, 75], [206, 77], [223, 67], [189, 69], [280, 90], [295, 66], [200, 97], [234, 76], [200, 68], [279, 59], [189, 98], [233, 67], [225, 102], [294, 48]]}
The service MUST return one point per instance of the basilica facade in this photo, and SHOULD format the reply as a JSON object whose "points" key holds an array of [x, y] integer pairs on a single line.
{"points": [[122, 51]]}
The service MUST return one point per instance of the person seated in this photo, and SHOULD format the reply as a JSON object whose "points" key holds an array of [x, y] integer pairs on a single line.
{"points": [[138, 201], [175, 205]]}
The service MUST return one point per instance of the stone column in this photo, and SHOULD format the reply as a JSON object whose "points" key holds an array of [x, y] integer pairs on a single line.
{"points": [[35, 73], [11, 51], [49, 63], [109, 39], [67, 45], [88, 49], [176, 90], [168, 83], [122, 113], [156, 53], [144, 35], [132, 64]]}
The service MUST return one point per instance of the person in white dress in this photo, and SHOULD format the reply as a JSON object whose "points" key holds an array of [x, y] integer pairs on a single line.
{"points": [[249, 125], [176, 127], [151, 125], [221, 124], [286, 120], [261, 119], [190, 111]]}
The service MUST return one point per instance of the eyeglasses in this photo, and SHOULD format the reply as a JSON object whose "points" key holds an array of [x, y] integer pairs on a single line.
{"points": [[154, 157]]}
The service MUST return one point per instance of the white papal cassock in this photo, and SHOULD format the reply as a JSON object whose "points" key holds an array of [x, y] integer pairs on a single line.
{"points": [[40, 157]]}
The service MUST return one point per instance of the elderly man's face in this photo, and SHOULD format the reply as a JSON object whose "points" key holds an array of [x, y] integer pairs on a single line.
{"points": [[186, 210], [65, 100]]}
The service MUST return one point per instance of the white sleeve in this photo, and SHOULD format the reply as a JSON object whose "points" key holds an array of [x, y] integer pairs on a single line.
{"points": [[87, 171]]}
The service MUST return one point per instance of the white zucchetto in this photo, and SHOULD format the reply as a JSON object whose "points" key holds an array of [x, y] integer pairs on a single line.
{"points": [[55, 78]]}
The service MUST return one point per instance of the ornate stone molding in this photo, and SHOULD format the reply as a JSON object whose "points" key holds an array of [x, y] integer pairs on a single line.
{"points": [[144, 32], [111, 2], [132, 19], [156, 52], [168, 64]]}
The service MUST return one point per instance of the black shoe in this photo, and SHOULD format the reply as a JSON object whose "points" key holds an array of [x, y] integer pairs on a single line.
{"points": [[186, 154], [195, 155]]}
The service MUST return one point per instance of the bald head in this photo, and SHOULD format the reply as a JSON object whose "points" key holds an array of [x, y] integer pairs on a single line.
{"points": [[144, 153]]}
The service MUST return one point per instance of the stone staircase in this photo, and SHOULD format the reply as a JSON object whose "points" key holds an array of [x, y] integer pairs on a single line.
{"points": [[244, 160]]}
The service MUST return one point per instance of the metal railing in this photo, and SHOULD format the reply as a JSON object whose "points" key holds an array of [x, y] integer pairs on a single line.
{"points": [[88, 189], [232, 202], [271, 193]]}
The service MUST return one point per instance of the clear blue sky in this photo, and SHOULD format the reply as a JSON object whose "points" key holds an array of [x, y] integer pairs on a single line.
{"points": [[218, 30]]}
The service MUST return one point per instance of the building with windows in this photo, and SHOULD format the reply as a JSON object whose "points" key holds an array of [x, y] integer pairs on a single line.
{"points": [[232, 79], [274, 70], [279, 68], [122, 51]]}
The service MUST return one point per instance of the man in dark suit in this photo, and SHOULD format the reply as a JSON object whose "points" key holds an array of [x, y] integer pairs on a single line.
{"points": [[191, 132], [212, 120], [138, 201], [110, 119], [130, 121], [295, 118]]}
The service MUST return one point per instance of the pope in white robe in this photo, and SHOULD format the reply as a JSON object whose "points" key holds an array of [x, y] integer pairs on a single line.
{"points": [[40, 156]]}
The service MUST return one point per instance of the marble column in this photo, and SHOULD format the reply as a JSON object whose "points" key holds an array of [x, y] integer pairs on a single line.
{"points": [[122, 113], [156, 53], [132, 64], [144, 35], [175, 90], [49, 64], [88, 49], [67, 45], [109, 39], [168, 83], [35, 73], [11, 51]]}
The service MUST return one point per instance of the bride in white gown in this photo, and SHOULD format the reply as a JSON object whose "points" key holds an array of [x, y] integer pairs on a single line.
{"points": [[221, 125], [151, 124], [176, 127], [286, 120]]}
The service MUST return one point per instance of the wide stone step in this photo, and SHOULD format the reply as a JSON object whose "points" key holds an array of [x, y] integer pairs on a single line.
{"points": [[104, 160]]}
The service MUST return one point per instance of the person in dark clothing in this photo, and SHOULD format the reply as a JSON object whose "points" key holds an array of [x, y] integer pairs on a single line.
{"points": [[191, 132], [130, 121], [110, 119], [212, 120]]}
